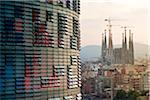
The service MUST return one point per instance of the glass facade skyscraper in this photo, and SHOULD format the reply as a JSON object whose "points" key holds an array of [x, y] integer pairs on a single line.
{"points": [[39, 50]]}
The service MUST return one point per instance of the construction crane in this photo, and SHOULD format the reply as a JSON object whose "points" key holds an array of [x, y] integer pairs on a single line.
{"points": [[109, 20], [125, 28]]}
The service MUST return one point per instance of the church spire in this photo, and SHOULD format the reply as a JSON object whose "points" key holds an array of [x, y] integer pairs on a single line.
{"points": [[130, 40], [131, 47], [104, 43], [125, 40], [110, 39], [123, 43]]}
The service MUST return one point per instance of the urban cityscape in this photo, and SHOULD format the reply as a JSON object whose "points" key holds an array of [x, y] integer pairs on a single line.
{"points": [[69, 50]]}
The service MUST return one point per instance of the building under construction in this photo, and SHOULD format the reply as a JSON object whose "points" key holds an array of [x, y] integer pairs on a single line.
{"points": [[123, 55]]}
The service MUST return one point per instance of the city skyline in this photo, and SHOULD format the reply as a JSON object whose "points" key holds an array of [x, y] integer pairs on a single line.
{"points": [[94, 12], [39, 50], [42, 55]]}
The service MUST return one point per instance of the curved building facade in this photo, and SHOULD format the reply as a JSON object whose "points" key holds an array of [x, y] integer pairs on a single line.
{"points": [[39, 50]]}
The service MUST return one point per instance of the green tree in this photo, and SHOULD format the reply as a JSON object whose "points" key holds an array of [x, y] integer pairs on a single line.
{"points": [[132, 95], [121, 95], [144, 93]]}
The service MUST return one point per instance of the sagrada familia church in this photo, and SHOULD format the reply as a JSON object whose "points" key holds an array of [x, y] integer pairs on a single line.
{"points": [[123, 55]]}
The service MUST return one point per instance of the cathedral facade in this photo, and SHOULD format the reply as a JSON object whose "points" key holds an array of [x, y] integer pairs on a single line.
{"points": [[123, 55]]}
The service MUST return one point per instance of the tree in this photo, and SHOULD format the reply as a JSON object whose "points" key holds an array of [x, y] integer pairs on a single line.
{"points": [[121, 95], [133, 95], [144, 93]]}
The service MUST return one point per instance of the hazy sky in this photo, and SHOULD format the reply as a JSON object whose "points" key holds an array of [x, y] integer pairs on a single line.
{"points": [[126, 12]]}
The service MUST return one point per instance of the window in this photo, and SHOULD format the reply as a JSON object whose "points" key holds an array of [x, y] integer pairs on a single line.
{"points": [[49, 16], [68, 4]]}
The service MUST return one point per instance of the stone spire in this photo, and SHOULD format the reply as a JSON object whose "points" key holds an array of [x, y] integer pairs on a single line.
{"points": [[131, 48], [104, 44], [125, 38], [123, 43], [105, 40], [110, 46]]}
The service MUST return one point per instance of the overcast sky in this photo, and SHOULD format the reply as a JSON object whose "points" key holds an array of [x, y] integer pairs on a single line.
{"points": [[126, 12]]}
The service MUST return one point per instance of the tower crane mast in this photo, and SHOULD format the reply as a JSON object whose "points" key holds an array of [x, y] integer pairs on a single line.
{"points": [[109, 20]]}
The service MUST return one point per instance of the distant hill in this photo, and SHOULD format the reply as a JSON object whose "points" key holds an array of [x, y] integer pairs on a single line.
{"points": [[91, 52]]}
